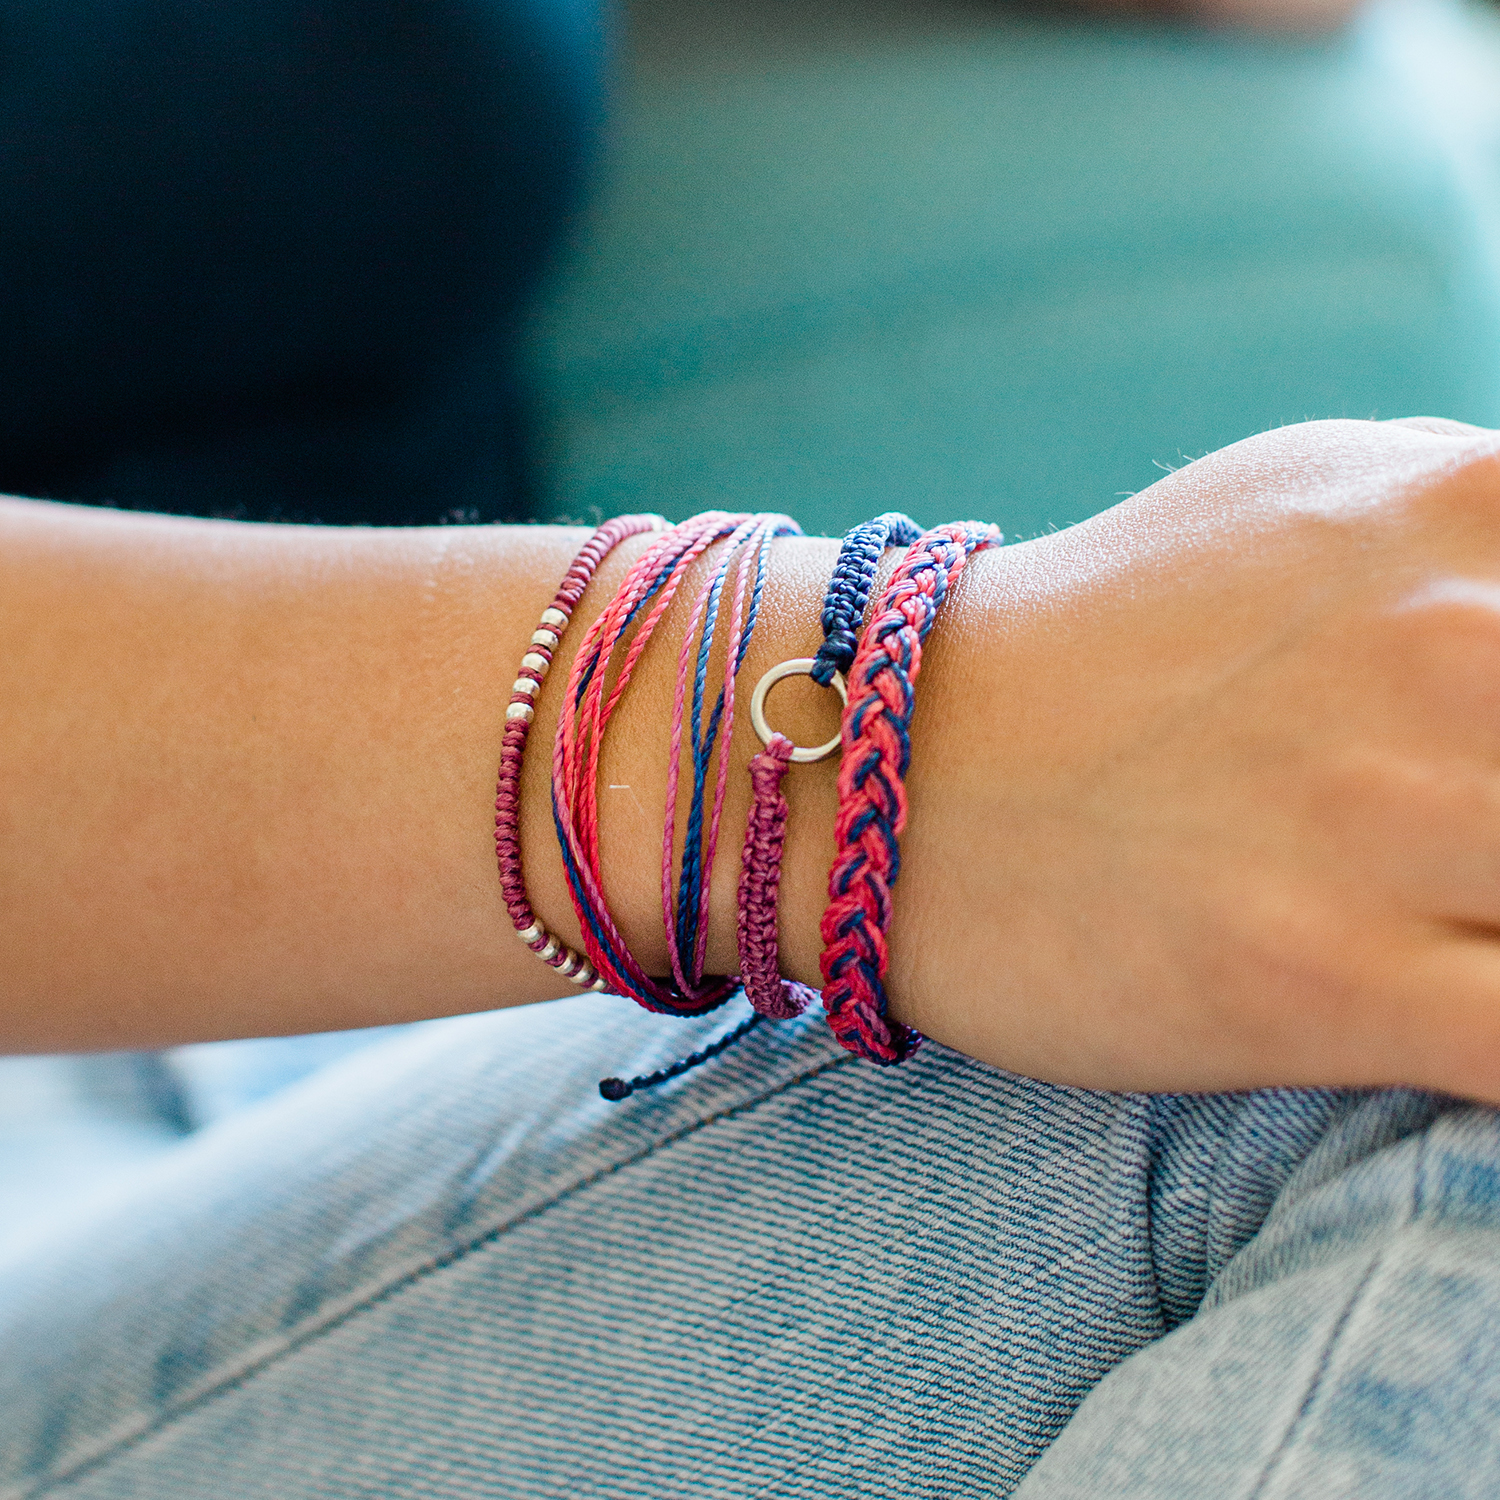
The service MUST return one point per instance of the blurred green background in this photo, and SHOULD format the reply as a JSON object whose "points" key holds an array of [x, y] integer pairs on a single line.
{"points": [[857, 254]]}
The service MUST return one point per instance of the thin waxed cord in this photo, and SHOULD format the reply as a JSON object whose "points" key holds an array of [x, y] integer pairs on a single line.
{"points": [[692, 914], [585, 713], [615, 1089], [588, 705]]}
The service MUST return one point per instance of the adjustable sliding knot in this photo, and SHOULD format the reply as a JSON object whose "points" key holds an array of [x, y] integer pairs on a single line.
{"points": [[615, 1089]]}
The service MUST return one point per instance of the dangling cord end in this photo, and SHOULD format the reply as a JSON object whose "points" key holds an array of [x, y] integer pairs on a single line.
{"points": [[615, 1089]]}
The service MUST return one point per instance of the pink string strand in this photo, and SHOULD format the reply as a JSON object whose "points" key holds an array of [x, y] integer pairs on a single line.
{"points": [[581, 726], [689, 975], [591, 698]]}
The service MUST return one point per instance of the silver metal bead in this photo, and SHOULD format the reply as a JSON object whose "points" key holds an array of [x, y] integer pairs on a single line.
{"points": [[547, 638], [570, 964], [556, 619], [530, 934], [532, 662], [550, 951], [528, 685], [585, 976], [520, 711], [598, 986]]}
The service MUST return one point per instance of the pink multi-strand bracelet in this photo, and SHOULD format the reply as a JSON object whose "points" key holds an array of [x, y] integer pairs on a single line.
{"points": [[589, 702]]}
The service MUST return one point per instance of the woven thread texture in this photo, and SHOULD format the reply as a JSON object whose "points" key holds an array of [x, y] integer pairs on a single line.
{"points": [[792, 1277]]}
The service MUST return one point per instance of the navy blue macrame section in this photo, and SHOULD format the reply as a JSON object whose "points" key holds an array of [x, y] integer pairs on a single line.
{"points": [[849, 589]]}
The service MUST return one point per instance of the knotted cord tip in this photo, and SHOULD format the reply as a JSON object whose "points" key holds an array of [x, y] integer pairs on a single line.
{"points": [[615, 1089]]}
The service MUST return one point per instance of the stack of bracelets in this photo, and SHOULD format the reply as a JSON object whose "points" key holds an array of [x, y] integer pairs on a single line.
{"points": [[873, 667]]}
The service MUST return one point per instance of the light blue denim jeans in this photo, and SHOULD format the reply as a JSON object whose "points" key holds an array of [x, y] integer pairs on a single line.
{"points": [[446, 1268]]}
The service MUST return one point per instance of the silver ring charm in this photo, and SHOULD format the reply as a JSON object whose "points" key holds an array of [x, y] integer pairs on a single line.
{"points": [[798, 666]]}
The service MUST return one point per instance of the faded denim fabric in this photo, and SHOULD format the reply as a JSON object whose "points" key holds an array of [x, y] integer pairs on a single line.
{"points": [[446, 1268], [1353, 1348]]}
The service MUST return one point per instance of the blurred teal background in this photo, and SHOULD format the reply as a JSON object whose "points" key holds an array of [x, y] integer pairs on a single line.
{"points": [[850, 255]]}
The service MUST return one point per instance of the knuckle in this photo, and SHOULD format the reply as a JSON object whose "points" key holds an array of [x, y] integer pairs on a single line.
{"points": [[1444, 638]]}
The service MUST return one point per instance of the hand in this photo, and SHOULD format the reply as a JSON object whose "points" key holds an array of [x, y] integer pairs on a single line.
{"points": [[1206, 791]]}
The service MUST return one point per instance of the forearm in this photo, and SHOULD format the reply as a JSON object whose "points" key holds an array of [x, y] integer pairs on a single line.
{"points": [[247, 774], [1201, 791]]}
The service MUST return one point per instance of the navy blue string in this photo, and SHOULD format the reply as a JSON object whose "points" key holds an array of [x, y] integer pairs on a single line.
{"points": [[702, 745], [615, 1089], [700, 748], [848, 593]]}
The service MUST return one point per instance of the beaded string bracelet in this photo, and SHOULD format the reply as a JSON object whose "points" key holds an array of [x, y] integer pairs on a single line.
{"points": [[519, 714], [872, 791], [765, 832]]}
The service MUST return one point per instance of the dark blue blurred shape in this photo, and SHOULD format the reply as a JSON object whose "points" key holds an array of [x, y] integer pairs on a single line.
{"points": [[263, 257]]}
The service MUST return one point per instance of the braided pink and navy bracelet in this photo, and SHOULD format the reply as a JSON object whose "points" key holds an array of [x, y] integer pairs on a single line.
{"points": [[872, 791]]}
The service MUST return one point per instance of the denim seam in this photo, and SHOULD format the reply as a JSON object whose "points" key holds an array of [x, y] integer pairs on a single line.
{"points": [[50, 1483], [1215, 1196], [1212, 1197], [1153, 1142], [1325, 1359]]}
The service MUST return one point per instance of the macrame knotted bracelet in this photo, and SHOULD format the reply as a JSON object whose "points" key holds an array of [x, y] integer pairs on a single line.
{"points": [[872, 791], [769, 994], [765, 832], [849, 589]]}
